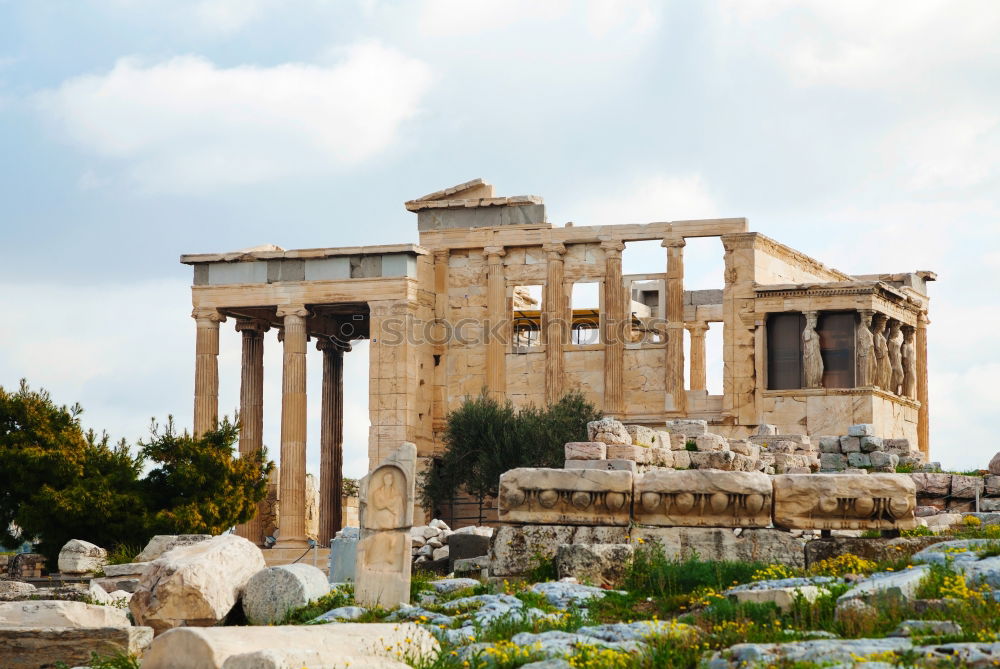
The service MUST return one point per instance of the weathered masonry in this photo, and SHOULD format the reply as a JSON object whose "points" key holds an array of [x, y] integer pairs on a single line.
{"points": [[484, 301]]}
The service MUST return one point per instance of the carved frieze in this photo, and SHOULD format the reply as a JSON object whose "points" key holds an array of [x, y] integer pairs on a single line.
{"points": [[844, 501], [565, 497], [702, 498]]}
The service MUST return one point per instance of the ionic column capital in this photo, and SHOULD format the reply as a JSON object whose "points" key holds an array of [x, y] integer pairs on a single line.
{"points": [[325, 343], [494, 253], [673, 243], [554, 250], [299, 310], [697, 329], [612, 247], [252, 325], [207, 316], [441, 255]]}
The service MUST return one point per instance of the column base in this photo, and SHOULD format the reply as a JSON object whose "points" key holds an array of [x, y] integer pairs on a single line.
{"points": [[293, 542]]}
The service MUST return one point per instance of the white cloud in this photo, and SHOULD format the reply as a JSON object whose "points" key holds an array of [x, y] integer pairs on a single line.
{"points": [[228, 16], [188, 125], [655, 197]]}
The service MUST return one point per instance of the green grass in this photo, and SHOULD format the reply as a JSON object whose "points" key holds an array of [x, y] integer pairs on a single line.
{"points": [[543, 569], [123, 553], [318, 607], [118, 661]]}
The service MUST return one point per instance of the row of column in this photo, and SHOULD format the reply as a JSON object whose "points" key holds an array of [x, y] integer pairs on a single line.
{"points": [[294, 337], [616, 320], [887, 354]]}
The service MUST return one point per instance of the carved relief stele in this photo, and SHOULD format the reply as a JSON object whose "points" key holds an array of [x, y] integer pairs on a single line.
{"points": [[702, 498], [565, 497], [844, 501]]}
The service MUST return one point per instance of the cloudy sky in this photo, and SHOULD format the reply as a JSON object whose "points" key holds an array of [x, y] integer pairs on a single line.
{"points": [[131, 131]]}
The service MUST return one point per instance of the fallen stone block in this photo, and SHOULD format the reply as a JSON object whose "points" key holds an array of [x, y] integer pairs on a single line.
{"points": [[871, 444], [637, 454], [711, 442], [81, 557], [932, 484], [465, 546], [617, 464], [820, 652], [900, 584], [687, 428], [829, 444], [336, 644], [715, 543], [844, 502], [33, 647], [643, 436], [967, 487], [273, 592], [876, 550], [598, 564], [133, 569], [565, 497], [861, 430], [586, 450], [197, 584], [783, 595], [608, 431], [884, 462], [45, 613], [161, 543], [682, 459], [832, 462], [850, 445], [912, 628], [343, 555], [12, 590], [703, 498], [515, 550], [859, 460]]}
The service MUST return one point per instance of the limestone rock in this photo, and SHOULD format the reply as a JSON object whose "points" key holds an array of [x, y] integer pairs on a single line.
{"points": [[840, 501], [902, 584], [44, 613], [703, 497], [766, 430], [33, 647], [687, 428], [565, 496], [682, 459], [781, 596], [440, 553], [616, 464], [515, 549], [820, 652], [195, 584], [273, 592], [128, 569], [643, 436], [637, 454], [932, 485], [871, 444], [586, 450], [211, 647], [81, 557], [850, 445], [608, 431], [711, 442], [15, 590], [994, 465], [877, 550], [829, 444], [715, 543], [911, 628], [342, 613], [744, 447], [967, 487], [861, 430], [161, 543], [600, 564]]}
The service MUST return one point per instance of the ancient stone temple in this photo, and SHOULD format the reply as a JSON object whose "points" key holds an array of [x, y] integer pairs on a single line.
{"points": [[485, 300]]}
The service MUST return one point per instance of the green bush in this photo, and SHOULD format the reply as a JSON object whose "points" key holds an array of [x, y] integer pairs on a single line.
{"points": [[485, 437]]}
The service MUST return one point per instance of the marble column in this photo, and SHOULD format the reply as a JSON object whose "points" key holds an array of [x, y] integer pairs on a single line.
{"points": [[331, 441], [554, 325], [252, 409], [923, 414], [697, 375], [206, 370], [497, 323], [292, 523], [675, 325], [615, 322]]}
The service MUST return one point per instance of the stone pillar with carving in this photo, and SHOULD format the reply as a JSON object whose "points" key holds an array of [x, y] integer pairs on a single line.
{"points": [[908, 354], [439, 405], [883, 367], [615, 323], [923, 414], [697, 374], [206, 369], [895, 343], [675, 325], [252, 410], [292, 523], [866, 364], [554, 326], [812, 358], [497, 323], [331, 440]]}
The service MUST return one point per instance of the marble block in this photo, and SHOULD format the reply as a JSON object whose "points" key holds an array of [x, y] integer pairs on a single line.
{"points": [[703, 498], [586, 450], [565, 496], [844, 502]]}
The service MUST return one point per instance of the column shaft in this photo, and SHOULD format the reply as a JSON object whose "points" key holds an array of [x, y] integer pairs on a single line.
{"points": [[923, 413], [674, 364], [252, 409], [497, 321], [697, 374], [331, 459], [292, 524], [206, 370], [554, 322], [615, 315]]}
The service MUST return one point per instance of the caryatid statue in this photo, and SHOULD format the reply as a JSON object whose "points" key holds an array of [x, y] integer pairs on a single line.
{"points": [[909, 355], [867, 368], [895, 343], [812, 359], [883, 366]]}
